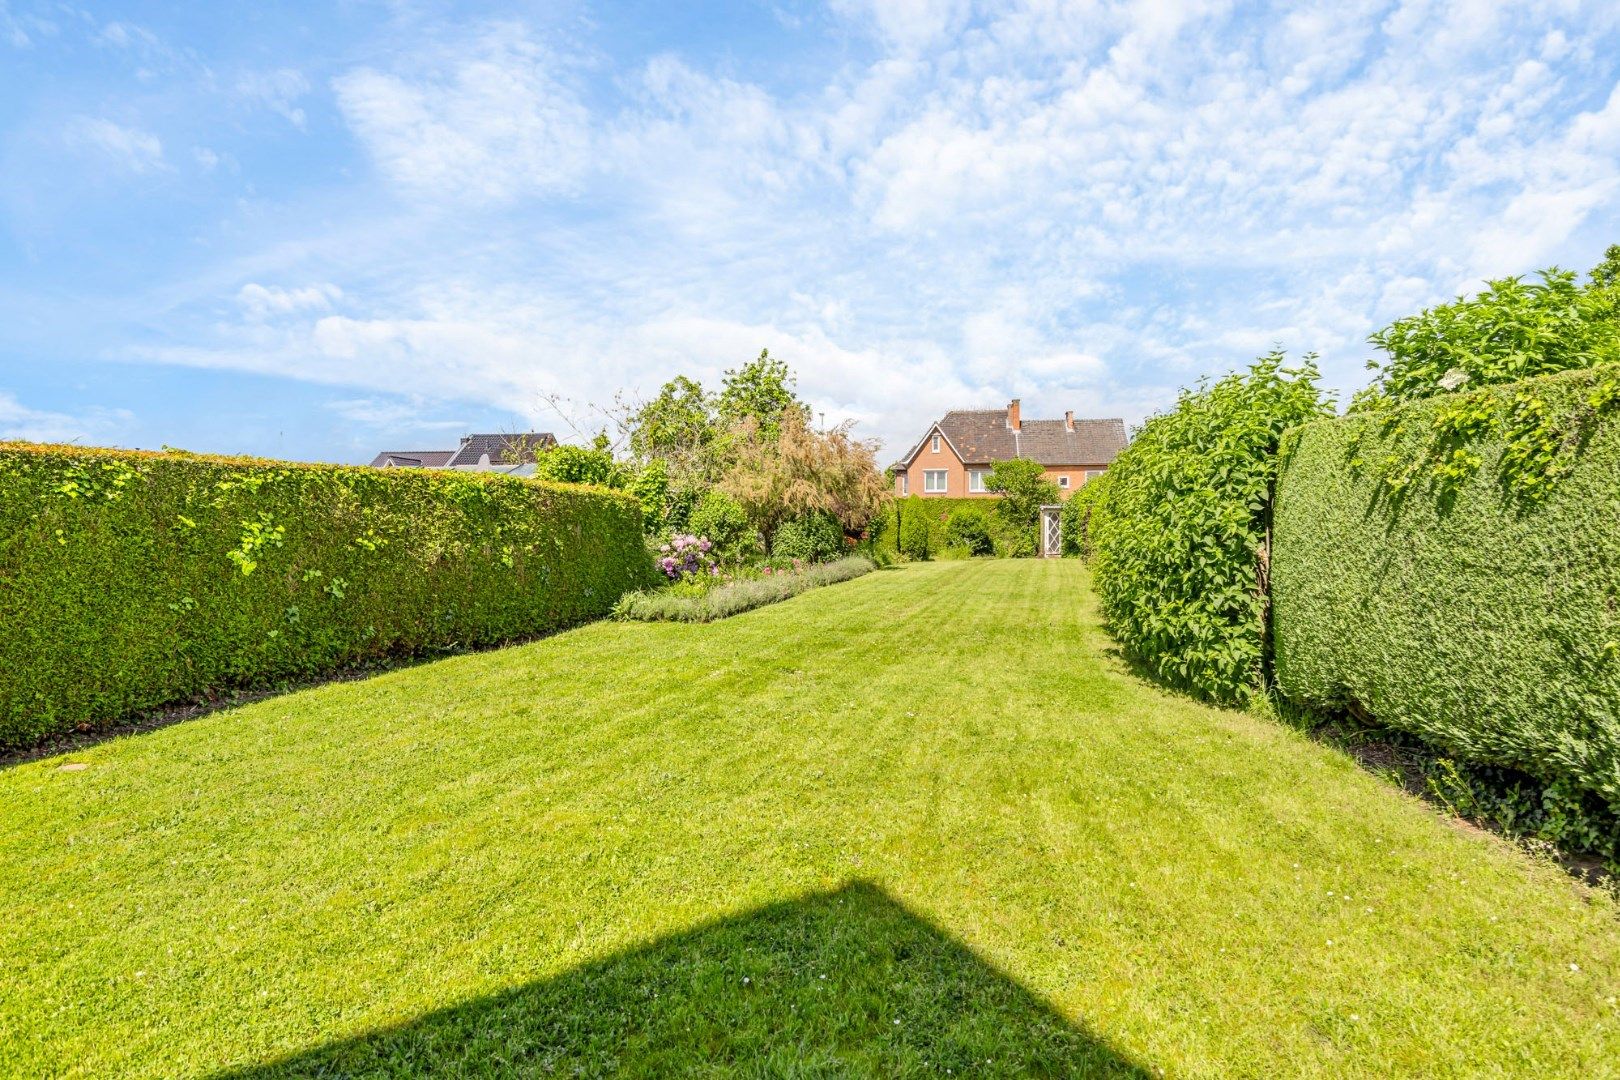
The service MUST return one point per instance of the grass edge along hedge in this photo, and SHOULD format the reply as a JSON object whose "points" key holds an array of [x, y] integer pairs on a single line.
{"points": [[1452, 568], [131, 580], [737, 597]]}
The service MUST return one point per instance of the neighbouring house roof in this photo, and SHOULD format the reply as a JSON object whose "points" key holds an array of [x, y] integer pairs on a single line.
{"points": [[413, 459], [502, 449], [507, 453], [982, 436]]}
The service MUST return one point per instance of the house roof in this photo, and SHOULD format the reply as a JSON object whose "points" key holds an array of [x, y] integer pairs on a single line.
{"points": [[502, 449], [413, 459], [981, 436], [504, 452]]}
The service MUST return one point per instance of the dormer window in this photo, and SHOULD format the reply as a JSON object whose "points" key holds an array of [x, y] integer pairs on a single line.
{"points": [[933, 443]]}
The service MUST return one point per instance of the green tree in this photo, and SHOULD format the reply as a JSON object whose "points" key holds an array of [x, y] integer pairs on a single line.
{"points": [[1024, 489], [1077, 517], [914, 529], [761, 390], [678, 425], [566, 464], [800, 471], [1607, 272], [721, 520], [1512, 330], [814, 537]]}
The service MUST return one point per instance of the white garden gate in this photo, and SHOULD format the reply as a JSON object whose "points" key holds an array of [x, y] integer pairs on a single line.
{"points": [[1051, 532]]}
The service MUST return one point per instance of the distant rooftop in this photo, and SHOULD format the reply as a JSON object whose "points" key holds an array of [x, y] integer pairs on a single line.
{"points": [[480, 452], [983, 436]]}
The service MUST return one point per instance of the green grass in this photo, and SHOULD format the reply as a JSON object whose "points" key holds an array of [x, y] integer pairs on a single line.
{"points": [[923, 821]]}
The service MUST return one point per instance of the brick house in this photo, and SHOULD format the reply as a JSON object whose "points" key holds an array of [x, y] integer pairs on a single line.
{"points": [[954, 457]]}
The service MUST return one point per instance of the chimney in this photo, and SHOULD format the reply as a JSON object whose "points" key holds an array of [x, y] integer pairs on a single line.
{"points": [[1068, 420], [1012, 415]]}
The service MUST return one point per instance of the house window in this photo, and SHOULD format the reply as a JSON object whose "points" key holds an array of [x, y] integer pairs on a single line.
{"points": [[1092, 474], [905, 482], [1063, 481], [976, 480], [934, 481], [934, 444]]}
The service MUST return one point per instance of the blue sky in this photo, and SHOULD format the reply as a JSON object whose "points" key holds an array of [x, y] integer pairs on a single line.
{"points": [[320, 231]]}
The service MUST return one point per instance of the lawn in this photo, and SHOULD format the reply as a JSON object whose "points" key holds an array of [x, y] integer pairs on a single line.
{"points": [[921, 823]]}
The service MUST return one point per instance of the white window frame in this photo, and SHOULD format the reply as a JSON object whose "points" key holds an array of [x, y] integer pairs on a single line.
{"points": [[933, 443], [1063, 481], [944, 476], [1092, 474], [905, 483], [976, 478]]}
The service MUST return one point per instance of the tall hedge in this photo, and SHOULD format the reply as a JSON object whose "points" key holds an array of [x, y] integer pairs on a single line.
{"points": [[133, 580], [1452, 567], [915, 526], [1179, 528]]}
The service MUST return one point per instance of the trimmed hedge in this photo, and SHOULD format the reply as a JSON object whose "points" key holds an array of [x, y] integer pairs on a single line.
{"points": [[915, 526], [1452, 568], [133, 580]]}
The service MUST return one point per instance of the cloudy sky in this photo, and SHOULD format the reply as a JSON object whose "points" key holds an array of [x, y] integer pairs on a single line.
{"points": [[318, 231]]}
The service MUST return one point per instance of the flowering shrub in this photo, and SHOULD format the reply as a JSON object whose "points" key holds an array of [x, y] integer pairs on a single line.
{"points": [[687, 556], [736, 594]]}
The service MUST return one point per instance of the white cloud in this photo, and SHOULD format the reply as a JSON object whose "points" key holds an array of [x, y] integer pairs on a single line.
{"points": [[413, 414], [130, 148], [95, 425], [123, 35], [488, 123], [277, 90], [907, 24], [1081, 203], [16, 29], [260, 302]]}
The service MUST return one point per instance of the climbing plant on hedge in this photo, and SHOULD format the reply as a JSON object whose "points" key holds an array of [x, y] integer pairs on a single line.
{"points": [[1513, 329], [1179, 529], [132, 580]]}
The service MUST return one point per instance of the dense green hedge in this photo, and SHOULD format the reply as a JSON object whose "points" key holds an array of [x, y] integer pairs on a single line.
{"points": [[1077, 517], [916, 525], [132, 580], [1178, 528], [1452, 567]]}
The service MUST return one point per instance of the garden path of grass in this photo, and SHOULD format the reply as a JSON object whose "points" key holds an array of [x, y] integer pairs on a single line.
{"points": [[922, 823]]}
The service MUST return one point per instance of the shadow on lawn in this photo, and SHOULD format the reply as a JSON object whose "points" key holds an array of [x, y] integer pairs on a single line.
{"points": [[842, 983]]}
